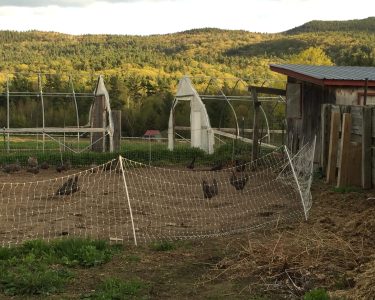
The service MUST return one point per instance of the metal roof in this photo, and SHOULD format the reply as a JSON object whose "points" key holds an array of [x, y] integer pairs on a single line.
{"points": [[345, 75]]}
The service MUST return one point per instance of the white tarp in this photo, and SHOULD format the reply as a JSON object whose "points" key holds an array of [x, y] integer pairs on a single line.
{"points": [[202, 135]]}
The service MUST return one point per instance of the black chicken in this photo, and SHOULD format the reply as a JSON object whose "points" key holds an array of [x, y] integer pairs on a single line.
{"points": [[240, 165], [69, 187], [210, 190], [218, 166], [191, 164], [238, 182], [11, 168], [33, 170], [44, 165]]}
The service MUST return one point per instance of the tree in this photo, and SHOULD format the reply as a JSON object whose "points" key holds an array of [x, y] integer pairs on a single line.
{"points": [[312, 56]]}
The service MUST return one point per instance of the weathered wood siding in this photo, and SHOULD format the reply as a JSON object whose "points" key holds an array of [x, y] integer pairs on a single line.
{"points": [[362, 124], [304, 129]]}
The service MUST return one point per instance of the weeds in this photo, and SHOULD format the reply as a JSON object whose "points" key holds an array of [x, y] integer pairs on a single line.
{"points": [[316, 294], [163, 246], [114, 288], [37, 267]]}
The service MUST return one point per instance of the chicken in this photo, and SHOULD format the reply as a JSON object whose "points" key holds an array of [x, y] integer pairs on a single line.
{"points": [[191, 164], [65, 166], [218, 166], [32, 162], [210, 191], [239, 182], [33, 170], [240, 165], [11, 168], [44, 165], [69, 187]]}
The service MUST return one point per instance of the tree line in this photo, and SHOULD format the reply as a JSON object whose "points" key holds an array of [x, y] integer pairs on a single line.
{"points": [[142, 72]]}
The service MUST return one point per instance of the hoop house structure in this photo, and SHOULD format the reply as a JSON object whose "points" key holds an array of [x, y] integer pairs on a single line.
{"points": [[202, 135], [100, 124], [201, 132]]}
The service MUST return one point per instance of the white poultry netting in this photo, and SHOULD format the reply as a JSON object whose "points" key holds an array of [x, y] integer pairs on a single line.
{"points": [[124, 200]]}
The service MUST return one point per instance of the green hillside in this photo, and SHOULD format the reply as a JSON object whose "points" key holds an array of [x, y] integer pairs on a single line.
{"points": [[141, 72], [367, 24]]}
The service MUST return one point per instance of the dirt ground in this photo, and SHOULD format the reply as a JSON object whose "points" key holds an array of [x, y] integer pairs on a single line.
{"points": [[334, 250]]}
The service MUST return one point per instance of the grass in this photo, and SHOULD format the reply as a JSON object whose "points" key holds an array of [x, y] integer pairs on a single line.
{"points": [[37, 267], [114, 288], [159, 155], [316, 294], [163, 246]]}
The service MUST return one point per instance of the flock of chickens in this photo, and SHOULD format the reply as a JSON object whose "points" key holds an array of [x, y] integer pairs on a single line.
{"points": [[238, 178], [69, 187], [34, 167]]}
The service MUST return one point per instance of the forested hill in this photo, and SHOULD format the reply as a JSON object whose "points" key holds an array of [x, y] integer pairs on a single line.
{"points": [[141, 72], [367, 24]]}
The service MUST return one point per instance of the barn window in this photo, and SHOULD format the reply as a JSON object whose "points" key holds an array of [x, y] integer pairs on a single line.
{"points": [[293, 100]]}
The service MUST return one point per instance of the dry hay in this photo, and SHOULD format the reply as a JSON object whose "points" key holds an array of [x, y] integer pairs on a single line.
{"points": [[332, 250], [291, 263], [364, 282]]}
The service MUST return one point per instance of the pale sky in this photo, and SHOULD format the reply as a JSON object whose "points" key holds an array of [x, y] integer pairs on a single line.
{"points": [[166, 16]]}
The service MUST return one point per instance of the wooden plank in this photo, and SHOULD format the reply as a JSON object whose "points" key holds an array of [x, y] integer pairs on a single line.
{"points": [[267, 90], [98, 120], [116, 117], [52, 130], [246, 140], [293, 101], [187, 128], [356, 112], [355, 170], [333, 147], [366, 148], [254, 152], [325, 122], [344, 160]]}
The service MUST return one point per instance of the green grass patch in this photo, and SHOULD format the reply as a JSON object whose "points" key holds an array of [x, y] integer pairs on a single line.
{"points": [[316, 294], [155, 153], [347, 189], [132, 258], [114, 288], [163, 246], [37, 267]]}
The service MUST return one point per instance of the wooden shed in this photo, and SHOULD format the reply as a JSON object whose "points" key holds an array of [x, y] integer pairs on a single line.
{"points": [[309, 87]]}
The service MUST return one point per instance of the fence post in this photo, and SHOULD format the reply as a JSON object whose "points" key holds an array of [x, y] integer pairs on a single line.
{"points": [[345, 151], [116, 117], [366, 147], [128, 198], [325, 123], [333, 147], [256, 103]]}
